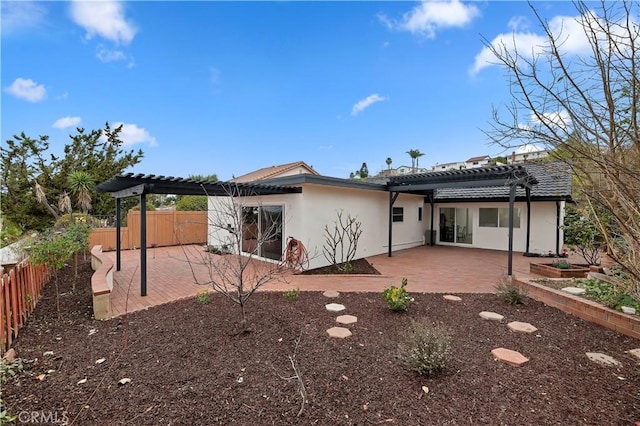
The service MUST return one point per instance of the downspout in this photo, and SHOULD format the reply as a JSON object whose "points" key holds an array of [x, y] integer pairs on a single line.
{"points": [[512, 197], [118, 237]]}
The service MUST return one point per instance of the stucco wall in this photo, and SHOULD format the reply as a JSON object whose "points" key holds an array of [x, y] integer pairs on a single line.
{"points": [[542, 235]]}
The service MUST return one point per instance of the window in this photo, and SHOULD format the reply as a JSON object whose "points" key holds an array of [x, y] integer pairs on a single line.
{"points": [[398, 214], [498, 218], [419, 214]]}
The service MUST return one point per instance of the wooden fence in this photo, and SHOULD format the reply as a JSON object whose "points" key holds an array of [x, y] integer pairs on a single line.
{"points": [[20, 292], [164, 228]]}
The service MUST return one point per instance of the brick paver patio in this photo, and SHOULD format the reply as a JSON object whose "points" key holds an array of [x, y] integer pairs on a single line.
{"points": [[438, 269]]}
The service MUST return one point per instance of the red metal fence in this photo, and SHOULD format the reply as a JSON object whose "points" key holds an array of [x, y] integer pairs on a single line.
{"points": [[19, 294]]}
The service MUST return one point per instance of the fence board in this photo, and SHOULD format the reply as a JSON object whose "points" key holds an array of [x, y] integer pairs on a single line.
{"points": [[20, 291], [164, 228]]}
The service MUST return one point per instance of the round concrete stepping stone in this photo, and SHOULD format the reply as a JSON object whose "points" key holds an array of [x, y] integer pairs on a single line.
{"points": [[339, 332], [522, 327], [576, 291], [603, 359], [509, 357], [491, 316], [347, 319], [332, 294], [452, 298], [635, 352], [335, 307]]}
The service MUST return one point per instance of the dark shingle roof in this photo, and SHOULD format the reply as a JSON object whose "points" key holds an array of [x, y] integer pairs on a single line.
{"points": [[554, 183]]}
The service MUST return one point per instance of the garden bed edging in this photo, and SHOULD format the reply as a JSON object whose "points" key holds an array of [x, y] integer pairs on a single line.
{"points": [[588, 310], [548, 270], [101, 283]]}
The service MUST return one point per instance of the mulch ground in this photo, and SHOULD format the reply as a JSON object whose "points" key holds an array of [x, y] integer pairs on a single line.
{"points": [[358, 266], [187, 367]]}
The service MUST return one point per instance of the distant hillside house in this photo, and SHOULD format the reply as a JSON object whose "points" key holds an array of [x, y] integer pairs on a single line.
{"points": [[522, 157], [407, 170], [456, 165], [480, 161], [289, 169]]}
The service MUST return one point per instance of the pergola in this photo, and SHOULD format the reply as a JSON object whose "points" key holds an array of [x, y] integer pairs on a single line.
{"points": [[427, 184], [140, 185]]}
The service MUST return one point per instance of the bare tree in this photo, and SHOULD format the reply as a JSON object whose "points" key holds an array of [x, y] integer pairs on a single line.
{"points": [[242, 230], [585, 108], [341, 240]]}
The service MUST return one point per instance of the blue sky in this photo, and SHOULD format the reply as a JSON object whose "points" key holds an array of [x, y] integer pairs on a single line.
{"points": [[230, 87]]}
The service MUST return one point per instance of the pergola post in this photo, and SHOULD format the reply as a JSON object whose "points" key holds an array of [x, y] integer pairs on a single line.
{"points": [[143, 244], [118, 236], [558, 224], [512, 198], [528, 192], [392, 199], [432, 204]]}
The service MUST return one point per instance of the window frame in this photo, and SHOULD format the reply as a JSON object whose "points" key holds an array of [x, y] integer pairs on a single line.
{"points": [[517, 217], [397, 214]]}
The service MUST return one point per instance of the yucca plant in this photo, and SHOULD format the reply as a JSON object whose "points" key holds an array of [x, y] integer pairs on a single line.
{"points": [[81, 184]]}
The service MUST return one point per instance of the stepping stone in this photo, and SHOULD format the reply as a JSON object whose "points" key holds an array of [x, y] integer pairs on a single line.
{"points": [[635, 352], [603, 359], [335, 307], [509, 357], [452, 298], [491, 316], [332, 294], [339, 332], [522, 327], [576, 291], [629, 310], [346, 319]]}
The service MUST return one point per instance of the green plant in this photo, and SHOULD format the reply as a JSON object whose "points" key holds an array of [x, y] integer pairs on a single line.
{"points": [[397, 298], [203, 297], [561, 264], [348, 268], [11, 369], [293, 294], [510, 292], [425, 348], [582, 235], [599, 290], [617, 301], [5, 417], [213, 249]]}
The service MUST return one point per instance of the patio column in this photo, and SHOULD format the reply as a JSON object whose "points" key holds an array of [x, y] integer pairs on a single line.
{"points": [[118, 236], [143, 244], [558, 224], [432, 204], [512, 198], [528, 192], [392, 199]]}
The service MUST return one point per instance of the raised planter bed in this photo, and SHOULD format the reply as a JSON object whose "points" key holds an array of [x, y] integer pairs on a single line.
{"points": [[548, 270], [583, 308]]}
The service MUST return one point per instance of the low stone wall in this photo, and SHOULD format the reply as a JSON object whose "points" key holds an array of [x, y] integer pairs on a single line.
{"points": [[547, 270], [101, 283], [586, 309]]}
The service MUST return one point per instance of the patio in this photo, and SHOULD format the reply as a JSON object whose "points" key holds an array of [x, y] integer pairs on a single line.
{"points": [[439, 269]]}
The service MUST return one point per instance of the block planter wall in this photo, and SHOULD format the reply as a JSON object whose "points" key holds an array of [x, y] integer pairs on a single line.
{"points": [[548, 270], [586, 309]]}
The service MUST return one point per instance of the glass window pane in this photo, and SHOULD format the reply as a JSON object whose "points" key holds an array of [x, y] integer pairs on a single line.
{"points": [[504, 217], [489, 218]]}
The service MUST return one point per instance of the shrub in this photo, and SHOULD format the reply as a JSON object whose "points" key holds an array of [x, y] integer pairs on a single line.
{"points": [[293, 294], [561, 264], [510, 292], [425, 348], [192, 203], [203, 297], [397, 298]]}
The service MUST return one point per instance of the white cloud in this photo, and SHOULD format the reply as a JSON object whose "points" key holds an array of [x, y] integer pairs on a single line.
{"points": [[65, 122], [560, 119], [366, 103], [523, 149], [27, 89], [566, 29], [518, 23], [131, 134], [430, 16], [110, 55], [105, 19], [21, 16]]}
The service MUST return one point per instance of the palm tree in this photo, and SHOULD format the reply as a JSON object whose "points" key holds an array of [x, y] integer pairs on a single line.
{"points": [[81, 184], [389, 161], [414, 154]]}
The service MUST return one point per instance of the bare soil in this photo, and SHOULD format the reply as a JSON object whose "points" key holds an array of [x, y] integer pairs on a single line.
{"points": [[188, 367], [359, 266]]}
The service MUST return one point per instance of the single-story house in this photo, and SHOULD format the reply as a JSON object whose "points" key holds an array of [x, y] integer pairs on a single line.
{"points": [[465, 208]]}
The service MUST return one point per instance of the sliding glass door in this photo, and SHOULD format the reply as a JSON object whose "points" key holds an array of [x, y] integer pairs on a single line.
{"points": [[262, 231], [456, 225]]}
